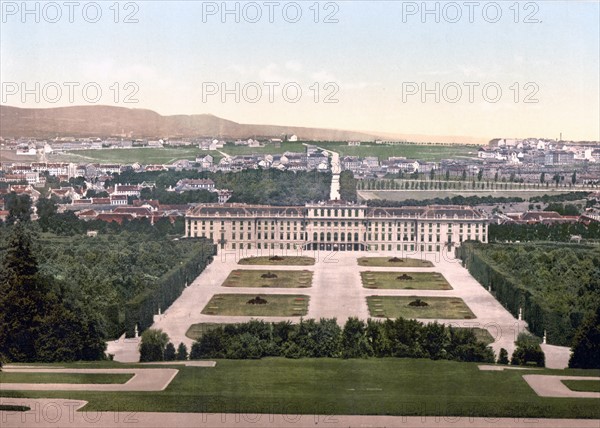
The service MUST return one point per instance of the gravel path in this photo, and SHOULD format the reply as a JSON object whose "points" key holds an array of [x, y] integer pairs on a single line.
{"points": [[552, 386], [64, 413]]}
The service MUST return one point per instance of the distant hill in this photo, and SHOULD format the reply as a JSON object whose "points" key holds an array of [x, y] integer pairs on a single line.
{"points": [[109, 121], [106, 121]]}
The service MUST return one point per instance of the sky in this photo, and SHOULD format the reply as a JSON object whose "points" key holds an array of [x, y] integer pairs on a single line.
{"points": [[480, 69]]}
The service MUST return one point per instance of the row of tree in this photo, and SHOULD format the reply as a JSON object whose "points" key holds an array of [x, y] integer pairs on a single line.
{"points": [[542, 232], [326, 339], [556, 287]]}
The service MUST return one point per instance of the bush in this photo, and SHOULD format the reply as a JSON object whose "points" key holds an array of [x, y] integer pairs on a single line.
{"points": [[503, 356], [169, 354], [152, 346], [182, 352], [528, 351]]}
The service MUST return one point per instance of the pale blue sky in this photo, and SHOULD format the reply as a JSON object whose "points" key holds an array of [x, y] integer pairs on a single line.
{"points": [[368, 54]]}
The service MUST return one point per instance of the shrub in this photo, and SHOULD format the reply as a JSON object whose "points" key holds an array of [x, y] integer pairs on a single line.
{"points": [[503, 356], [586, 344], [169, 354], [418, 303], [152, 346]]}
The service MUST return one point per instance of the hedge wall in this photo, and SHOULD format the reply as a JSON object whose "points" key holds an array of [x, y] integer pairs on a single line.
{"points": [[166, 290]]}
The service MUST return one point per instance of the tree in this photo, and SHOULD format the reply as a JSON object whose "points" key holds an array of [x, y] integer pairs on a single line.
{"points": [[432, 174], [46, 209], [480, 174], [182, 352], [152, 346], [503, 356], [19, 208], [542, 177], [464, 175], [447, 175], [574, 177], [22, 298], [354, 340], [169, 354], [585, 351]]}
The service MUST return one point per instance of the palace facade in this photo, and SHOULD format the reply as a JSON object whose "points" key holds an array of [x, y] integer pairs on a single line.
{"points": [[336, 226]]}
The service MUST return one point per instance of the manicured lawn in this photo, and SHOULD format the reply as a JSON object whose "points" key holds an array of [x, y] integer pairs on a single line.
{"points": [[437, 307], [393, 262], [269, 278], [281, 305], [481, 334], [335, 386], [583, 385], [12, 377], [278, 261], [196, 331], [405, 280]]}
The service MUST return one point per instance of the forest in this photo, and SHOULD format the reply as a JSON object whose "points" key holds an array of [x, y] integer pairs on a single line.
{"points": [[556, 285], [119, 279], [542, 232]]}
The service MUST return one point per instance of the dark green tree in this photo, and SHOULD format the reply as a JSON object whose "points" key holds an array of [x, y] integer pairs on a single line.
{"points": [[170, 353], [18, 207], [585, 352], [46, 209], [503, 356], [182, 352], [22, 298], [574, 177], [354, 340], [153, 345]]}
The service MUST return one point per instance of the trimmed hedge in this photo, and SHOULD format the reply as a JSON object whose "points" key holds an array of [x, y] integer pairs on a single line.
{"points": [[167, 289]]}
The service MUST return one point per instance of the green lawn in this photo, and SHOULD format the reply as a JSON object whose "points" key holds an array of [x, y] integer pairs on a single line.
{"points": [[196, 331], [141, 155], [481, 334], [405, 280], [393, 262], [583, 385], [438, 307], [335, 386], [282, 305], [261, 278], [12, 377], [278, 261]]}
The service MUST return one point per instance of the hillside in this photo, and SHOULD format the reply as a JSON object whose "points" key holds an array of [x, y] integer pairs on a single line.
{"points": [[105, 121]]}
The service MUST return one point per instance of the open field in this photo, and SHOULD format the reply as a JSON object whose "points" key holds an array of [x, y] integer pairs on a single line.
{"points": [[277, 305], [278, 261], [269, 278], [393, 262], [382, 151], [142, 155], [88, 378], [437, 307], [583, 385], [419, 195], [405, 280], [331, 386]]}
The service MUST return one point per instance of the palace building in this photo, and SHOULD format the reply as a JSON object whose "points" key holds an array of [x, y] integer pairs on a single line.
{"points": [[336, 226]]}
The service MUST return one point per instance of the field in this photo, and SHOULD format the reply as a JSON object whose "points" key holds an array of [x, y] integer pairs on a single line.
{"points": [[269, 279], [411, 280], [13, 377], [277, 305], [332, 387], [583, 385], [393, 262], [411, 151], [419, 195], [129, 156], [438, 307], [278, 261]]}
